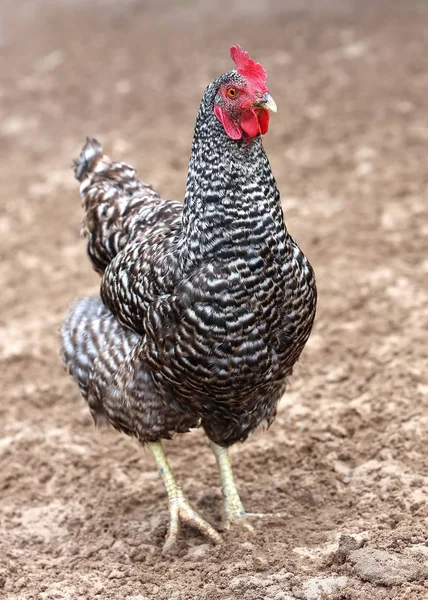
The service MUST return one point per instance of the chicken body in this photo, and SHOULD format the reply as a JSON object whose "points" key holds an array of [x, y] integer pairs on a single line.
{"points": [[205, 307]]}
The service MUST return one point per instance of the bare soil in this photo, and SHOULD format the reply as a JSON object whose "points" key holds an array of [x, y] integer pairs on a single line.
{"points": [[84, 513]]}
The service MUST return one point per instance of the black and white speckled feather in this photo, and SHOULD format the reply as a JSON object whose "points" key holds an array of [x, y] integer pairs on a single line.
{"points": [[105, 361], [117, 205], [209, 304]]}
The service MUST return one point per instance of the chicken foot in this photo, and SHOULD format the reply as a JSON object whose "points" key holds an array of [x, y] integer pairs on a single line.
{"points": [[180, 508], [234, 514]]}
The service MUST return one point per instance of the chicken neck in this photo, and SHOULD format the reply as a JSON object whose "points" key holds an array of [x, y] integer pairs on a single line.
{"points": [[231, 199]]}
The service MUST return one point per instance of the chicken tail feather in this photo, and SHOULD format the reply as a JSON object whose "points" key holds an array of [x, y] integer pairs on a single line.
{"points": [[89, 157], [116, 204]]}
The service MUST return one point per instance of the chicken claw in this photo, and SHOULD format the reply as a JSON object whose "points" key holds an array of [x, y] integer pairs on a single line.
{"points": [[180, 508], [234, 515]]}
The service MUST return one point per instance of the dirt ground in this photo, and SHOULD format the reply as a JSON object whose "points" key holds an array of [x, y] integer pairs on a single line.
{"points": [[83, 513]]}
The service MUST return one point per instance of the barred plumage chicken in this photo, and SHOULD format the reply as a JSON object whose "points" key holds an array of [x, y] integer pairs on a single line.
{"points": [[205, 307]]}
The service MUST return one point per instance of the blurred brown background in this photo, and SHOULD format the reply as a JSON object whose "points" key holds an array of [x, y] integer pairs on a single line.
{"points": [[83, 514]]}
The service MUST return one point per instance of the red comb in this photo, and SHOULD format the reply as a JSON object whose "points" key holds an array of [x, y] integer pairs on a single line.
{"points": [[253, 72]]}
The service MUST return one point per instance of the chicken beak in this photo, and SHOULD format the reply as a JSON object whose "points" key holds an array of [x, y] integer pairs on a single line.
{"points": [[266, 102]]}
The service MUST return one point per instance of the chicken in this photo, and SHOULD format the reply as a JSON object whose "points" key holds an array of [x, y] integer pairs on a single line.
{"points": [[205, 307]]}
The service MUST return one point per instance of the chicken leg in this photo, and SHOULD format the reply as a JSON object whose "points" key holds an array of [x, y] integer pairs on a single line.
{"points": [[234, 514], [180, 508]]}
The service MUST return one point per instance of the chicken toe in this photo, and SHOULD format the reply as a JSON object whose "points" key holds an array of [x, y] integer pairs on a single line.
{"points": [[234, 515], [180, 508]]}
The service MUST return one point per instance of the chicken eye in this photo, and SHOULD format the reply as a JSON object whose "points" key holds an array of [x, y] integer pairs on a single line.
{"points": [[232, 92]]}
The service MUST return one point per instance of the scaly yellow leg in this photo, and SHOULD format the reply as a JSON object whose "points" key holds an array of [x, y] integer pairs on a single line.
{"points": [[179, 507], [234, 514], [233, 510]]}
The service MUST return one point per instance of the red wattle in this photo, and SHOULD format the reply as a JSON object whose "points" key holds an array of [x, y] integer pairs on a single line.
{"points": [[263, 116], [250, 123]]}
